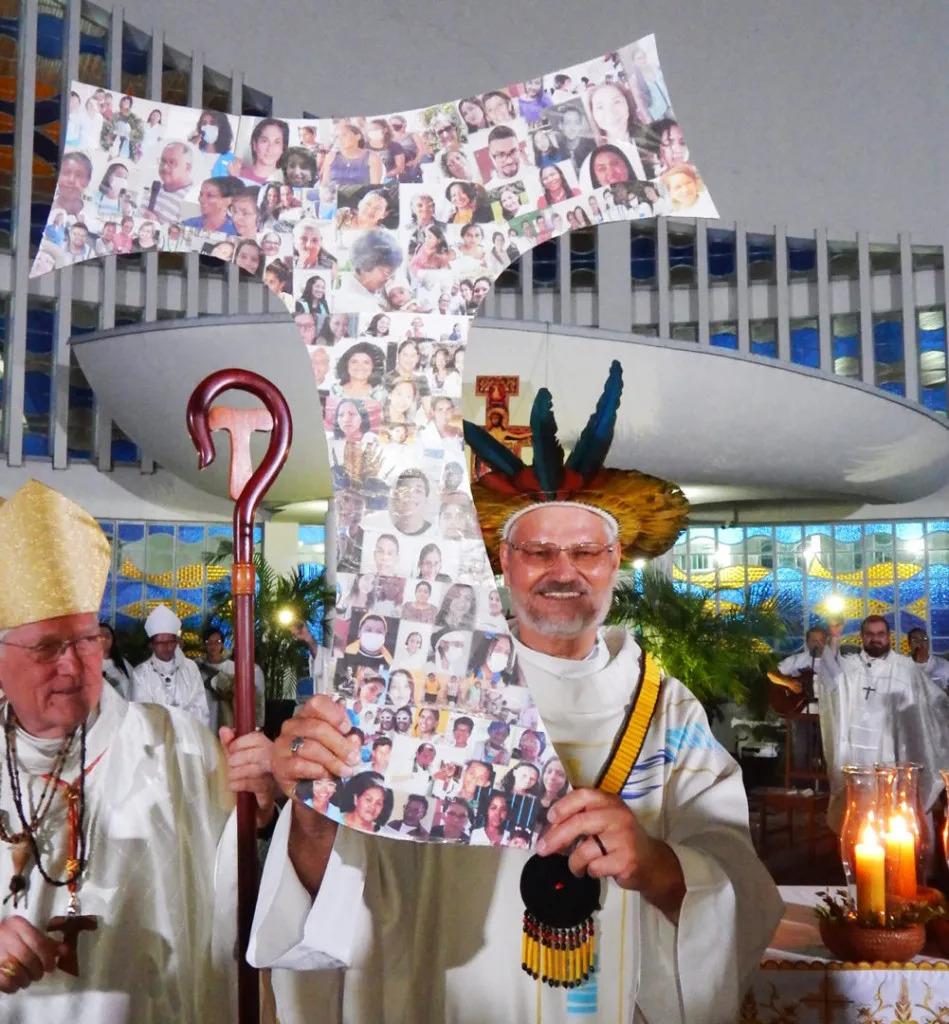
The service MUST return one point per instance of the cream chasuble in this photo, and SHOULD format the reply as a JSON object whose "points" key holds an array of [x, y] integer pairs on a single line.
{"points": [[156, 806], [432, 935]]}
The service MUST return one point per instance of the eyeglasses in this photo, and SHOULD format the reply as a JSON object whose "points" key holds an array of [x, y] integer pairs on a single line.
{"points": [[544, 553], [52, 650]]}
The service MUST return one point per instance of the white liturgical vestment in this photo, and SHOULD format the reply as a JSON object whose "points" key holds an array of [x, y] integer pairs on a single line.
{"points": [[883, 710], [432, 934], [176, 684], [156, 806]]}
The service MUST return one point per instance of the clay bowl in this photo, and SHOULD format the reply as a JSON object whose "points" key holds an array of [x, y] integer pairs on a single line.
{"points": [[847, 940]]}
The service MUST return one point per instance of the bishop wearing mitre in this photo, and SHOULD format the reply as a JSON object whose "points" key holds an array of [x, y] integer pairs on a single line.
{"points": [[116, 859]]}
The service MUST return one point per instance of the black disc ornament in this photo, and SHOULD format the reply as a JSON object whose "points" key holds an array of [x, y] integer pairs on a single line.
{"points": [[558, 940]]}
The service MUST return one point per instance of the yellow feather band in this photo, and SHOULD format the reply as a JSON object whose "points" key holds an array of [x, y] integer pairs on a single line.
{"points": [[651, 512]]}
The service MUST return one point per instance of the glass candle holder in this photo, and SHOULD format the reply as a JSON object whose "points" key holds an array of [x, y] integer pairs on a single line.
{"points": [[862, 808], [945, 828], [905, 823]]}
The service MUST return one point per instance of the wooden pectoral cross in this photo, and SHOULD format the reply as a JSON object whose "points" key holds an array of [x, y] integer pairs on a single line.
{"points": [[70, 926]]}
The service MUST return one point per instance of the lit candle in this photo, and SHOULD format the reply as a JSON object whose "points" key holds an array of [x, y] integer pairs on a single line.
{"points": [[900, 846], [871, 874]]}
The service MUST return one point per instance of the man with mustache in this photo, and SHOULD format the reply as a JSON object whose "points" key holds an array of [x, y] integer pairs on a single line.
{"points": [[683, 887], [881, 707]]}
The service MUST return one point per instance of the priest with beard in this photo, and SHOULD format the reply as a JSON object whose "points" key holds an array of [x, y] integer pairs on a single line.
{"points": [[117, 845], [881, 706], [168, 677], [657, 818]]}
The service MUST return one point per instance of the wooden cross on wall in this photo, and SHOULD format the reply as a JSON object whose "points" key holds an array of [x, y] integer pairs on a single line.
{"points": [[497, 390]]}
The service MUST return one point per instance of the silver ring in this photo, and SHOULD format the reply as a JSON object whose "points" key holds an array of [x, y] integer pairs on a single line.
{"points": [[296, 744]]}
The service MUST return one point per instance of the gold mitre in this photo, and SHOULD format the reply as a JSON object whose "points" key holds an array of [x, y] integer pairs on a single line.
{"points": [[54, 558]]}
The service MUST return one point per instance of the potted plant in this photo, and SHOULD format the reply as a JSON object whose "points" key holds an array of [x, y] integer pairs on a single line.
{"points": [[281, 601], [720, 656]]}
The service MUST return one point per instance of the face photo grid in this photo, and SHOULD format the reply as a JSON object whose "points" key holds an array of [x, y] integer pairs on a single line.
{"points": [[382, 236]]}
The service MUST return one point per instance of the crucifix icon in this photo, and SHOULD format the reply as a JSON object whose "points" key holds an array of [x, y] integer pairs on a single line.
{"points": [[71, 925], [867, 690], [497, 390]]}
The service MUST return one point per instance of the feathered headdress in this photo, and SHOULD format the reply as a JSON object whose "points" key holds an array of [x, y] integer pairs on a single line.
{"points": [[651, 512]]}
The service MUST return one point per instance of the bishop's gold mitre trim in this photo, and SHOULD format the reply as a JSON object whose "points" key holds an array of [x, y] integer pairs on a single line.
{"points": [[54, 558]]}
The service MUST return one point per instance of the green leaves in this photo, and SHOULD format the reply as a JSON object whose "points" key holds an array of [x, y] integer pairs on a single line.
{"points": [[719, 656], [282, 657]]}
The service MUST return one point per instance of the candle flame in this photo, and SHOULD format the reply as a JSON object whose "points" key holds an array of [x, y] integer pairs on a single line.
{"points": [[868, 837], [898, 825]]}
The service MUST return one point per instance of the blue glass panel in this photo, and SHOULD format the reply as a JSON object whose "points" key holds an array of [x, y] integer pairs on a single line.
{"points": [[935, 398], [129, 533], [895, 387], [787, 534], [805, 346], [127, 592], [124, 451], [760, 249], [758, 531], [134, 55], [725, 339], [682, 255], [36, 445], [847, 347], [546, 263], [165, 528], [937, 526], [49, 36], [802, 254], [36, 394], [311, 534], [39, 330], [191, 534], [933, 341], [731, 535], [642, 257], [721, 253], [848, 533], [909, 531], [765, 348], [94, 45], [888, 341]]}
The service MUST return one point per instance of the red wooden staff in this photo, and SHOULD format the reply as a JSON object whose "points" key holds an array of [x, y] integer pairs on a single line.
{"points": [[242, 580]]}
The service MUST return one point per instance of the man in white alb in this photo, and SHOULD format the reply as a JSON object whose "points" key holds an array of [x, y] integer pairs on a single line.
{"points": [[687, 906], [168, 677], [881, 707], [141, 877]]}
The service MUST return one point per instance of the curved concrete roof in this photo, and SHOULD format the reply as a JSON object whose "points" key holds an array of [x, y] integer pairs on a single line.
{"points": [[730, 428]]}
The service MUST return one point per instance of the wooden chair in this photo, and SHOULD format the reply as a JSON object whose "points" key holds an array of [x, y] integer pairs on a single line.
{"points": [[803, 770]]}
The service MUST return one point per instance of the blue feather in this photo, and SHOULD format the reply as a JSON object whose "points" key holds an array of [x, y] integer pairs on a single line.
{"points": [[490, 450], [548, 453], [594, 442]]}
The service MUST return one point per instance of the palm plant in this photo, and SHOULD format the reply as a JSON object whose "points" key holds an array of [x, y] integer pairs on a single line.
{"points": [[719, 656], [280, 600]]}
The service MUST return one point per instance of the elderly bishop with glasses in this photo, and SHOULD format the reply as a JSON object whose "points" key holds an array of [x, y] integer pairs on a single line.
{"points": [[116, 871], [649, 853]]}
